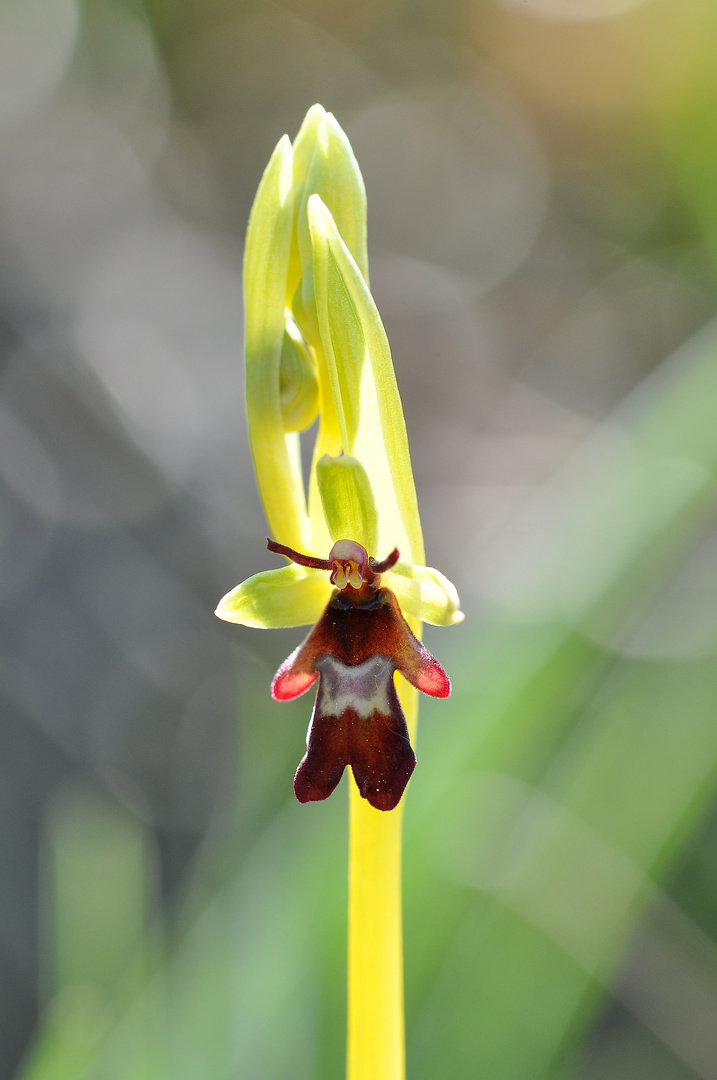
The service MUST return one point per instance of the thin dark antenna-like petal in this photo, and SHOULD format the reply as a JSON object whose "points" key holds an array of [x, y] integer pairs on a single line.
{"points": [[296, 556], [388, 562]]}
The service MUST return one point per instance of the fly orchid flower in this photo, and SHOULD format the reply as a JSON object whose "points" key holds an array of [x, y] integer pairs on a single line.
{"points": [[316, 349], [353, 650]]}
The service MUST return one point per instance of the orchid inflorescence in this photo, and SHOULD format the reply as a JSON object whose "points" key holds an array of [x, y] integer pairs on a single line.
{"points": [[316, 351]]}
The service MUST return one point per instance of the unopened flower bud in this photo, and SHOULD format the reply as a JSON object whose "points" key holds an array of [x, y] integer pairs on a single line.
{"points": [[298, 385]]}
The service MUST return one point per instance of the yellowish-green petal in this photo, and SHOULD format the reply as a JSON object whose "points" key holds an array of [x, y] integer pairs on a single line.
{"points": [[424, 593], [290, 596]]}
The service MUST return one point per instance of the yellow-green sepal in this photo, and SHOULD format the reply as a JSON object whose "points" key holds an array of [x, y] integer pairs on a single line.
{"points": [[424, 593], [348, 502], [266, 263], [290, 596], [303, 147], [326, 166], [339, 327], [363, 383]]}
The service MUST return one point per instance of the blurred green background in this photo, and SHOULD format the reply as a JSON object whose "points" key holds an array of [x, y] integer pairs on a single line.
{"points": [[542, 187]]}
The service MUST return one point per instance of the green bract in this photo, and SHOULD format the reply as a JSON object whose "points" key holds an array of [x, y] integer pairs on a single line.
{"points": [[348, 502], [315, 344]]}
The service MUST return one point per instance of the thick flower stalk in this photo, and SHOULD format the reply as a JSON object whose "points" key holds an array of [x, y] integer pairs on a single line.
{"points": [[316, 349]]}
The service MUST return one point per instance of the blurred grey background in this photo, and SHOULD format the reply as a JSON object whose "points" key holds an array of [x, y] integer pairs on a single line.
{"points": [[541, 237]]}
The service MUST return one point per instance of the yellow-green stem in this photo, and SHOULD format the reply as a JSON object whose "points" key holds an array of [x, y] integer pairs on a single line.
{"points": [[375, 958]]}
